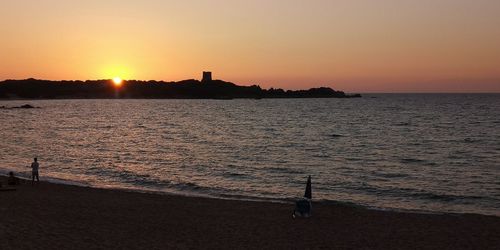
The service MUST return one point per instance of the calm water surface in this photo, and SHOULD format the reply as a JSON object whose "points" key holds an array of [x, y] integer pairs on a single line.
{"points": [[420, 152]]}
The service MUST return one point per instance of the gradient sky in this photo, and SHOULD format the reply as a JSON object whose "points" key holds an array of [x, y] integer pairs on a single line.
{"points": [[355, 46]]}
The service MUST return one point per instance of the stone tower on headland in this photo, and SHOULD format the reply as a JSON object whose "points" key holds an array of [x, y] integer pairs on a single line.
{"points": [[207, 76]]}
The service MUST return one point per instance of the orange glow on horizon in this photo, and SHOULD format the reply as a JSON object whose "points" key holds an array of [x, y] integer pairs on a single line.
{"points": [[354, 46]]}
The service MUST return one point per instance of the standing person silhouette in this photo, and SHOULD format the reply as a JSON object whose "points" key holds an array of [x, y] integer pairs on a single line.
{"points": [[34, 171]]}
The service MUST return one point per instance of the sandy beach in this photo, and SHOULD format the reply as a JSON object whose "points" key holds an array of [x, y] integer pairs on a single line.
{"points": [[54, 216]]}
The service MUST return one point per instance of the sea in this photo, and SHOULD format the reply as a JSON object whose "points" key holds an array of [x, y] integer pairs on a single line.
{"points": [[437, 153]]}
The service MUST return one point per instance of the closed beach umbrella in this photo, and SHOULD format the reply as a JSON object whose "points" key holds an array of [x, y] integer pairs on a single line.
{"points": [[308, 193]]}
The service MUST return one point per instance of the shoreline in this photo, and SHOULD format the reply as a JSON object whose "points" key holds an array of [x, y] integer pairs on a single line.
{"points": [[50, 215], [290, 201]]}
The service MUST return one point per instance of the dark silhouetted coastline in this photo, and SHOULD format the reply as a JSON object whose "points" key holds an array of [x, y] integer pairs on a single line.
{"points": [[186, 89]]}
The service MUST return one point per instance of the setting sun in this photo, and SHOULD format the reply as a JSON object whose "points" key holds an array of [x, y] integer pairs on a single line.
{"points": [[117, 81]]}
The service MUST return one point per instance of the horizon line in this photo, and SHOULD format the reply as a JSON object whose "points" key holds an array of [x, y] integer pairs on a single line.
{"points": [[360, 92]]}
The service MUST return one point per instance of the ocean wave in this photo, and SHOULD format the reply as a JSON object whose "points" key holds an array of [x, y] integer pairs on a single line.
{"points": [[285, 170], [236, 175], [417, 194], [471, 140], [390, 175], [411, 160], [321, 155], [402, 124]]}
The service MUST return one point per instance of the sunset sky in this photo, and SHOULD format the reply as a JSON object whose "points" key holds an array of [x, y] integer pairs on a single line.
{"points": [[355, 46]]}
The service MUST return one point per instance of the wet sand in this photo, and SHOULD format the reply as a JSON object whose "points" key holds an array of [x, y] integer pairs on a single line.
{"points": [[53, 216]]}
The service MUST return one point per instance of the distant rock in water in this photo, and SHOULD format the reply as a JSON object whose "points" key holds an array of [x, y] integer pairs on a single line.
{"points": [[186, 89], [335, 135], [25, 106]]}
